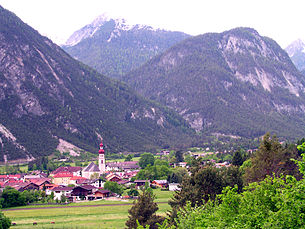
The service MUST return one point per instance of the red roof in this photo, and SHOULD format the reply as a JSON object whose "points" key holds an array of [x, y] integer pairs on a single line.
{"points": [[101, 151], [71, 169], [64, 174], [78, 178]]}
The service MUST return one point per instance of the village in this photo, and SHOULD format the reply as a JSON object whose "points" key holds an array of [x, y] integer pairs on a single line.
{"points": [[75, 183]]}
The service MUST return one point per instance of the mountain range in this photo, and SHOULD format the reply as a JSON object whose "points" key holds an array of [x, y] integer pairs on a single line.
{"points": [[114, 47], [46, 96], [296, 51], [234, 83]]}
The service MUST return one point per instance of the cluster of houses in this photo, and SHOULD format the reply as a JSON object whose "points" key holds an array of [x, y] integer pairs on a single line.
{"points": [[77, 183]]}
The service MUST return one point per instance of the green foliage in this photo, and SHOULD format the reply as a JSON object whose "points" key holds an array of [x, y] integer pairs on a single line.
{"points": [[10, 197], [275, 202], [203, 185], [272, 203], [237, 159], [177, 174], [5, 222], [133, 192], [129, 157], [146, 159], [114, 187], [271, 159], [159, 171], [143, 212]]}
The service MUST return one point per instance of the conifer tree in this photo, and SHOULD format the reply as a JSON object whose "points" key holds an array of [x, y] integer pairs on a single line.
{"points": [[144, 212], [271, 159], [237, 159]]}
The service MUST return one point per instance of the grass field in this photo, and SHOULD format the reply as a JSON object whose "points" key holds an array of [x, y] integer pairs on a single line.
{"points": [[82, 217]]}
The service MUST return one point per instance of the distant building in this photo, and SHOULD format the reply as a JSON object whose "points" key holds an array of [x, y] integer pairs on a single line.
{"points": [[92, 170], [160, 183], [62, 178], [75, 170], [173, 187], [122, 166], [59, 191], [140, 183]]}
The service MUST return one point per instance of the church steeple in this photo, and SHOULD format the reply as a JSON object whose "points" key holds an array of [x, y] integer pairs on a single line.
{"points": [[101, 158]]}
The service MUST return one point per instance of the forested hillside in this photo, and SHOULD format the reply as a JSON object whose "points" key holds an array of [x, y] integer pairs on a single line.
{"points": [[234, 83], [45, 95]]}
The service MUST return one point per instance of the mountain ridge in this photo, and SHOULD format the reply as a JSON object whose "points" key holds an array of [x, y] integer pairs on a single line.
{"points": [[114, 47], [45, 96], [237, 71]]}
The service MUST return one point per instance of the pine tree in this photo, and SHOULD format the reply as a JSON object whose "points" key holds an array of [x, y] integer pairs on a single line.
{"points": [[271, 159], [237, 159], [144, 212]]}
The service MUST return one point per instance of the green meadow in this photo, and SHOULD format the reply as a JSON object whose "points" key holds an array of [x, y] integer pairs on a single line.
{"points": [[102, 216]]}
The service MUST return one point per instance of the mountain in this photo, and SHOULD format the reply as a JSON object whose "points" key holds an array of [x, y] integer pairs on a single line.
{"points": [[46, 96], [234, 83], [296, 52], [114, 47]]}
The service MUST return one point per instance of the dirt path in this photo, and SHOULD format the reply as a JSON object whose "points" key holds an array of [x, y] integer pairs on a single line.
{"points": [[76, 206]]}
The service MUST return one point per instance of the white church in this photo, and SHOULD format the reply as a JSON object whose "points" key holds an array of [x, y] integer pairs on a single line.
{"points": [[94, 171]]}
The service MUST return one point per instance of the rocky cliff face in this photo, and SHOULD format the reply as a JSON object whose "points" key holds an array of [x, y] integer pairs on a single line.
{"points": [[46, 97], [114, 47], [236, 82], [296, 51]]}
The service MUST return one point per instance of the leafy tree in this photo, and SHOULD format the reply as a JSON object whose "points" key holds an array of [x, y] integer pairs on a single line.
{"points": [[146, 159], [277, 202], [114, 187], [133, 192], [203, 185], [144, 211], [155, 172], [12, 198], [129, 157], [177, 174], [5, 222]]}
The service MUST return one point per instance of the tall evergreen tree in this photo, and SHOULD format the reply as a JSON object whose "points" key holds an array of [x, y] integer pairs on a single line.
{"points": [[237, 159], [271, 159], [144, 212]]}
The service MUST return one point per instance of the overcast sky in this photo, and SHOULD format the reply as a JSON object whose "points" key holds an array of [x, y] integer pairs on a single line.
{"points": [[283, 21]]}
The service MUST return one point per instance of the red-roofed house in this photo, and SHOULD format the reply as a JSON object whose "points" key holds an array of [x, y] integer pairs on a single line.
{"points": [[160, 183], [76, 179], [62, 178], [41, 182], [76, 170]]}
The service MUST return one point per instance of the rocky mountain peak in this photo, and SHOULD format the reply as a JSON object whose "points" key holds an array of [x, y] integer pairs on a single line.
{"points": [[296, 46], [296, 51], [209, 77]]}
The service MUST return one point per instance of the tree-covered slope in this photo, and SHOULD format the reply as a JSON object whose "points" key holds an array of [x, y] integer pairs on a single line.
{"points": [[233, 83], [46, 95], [113, 47]]}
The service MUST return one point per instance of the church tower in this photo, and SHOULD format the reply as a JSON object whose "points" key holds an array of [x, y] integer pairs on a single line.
{"points": [[101, 159]]}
